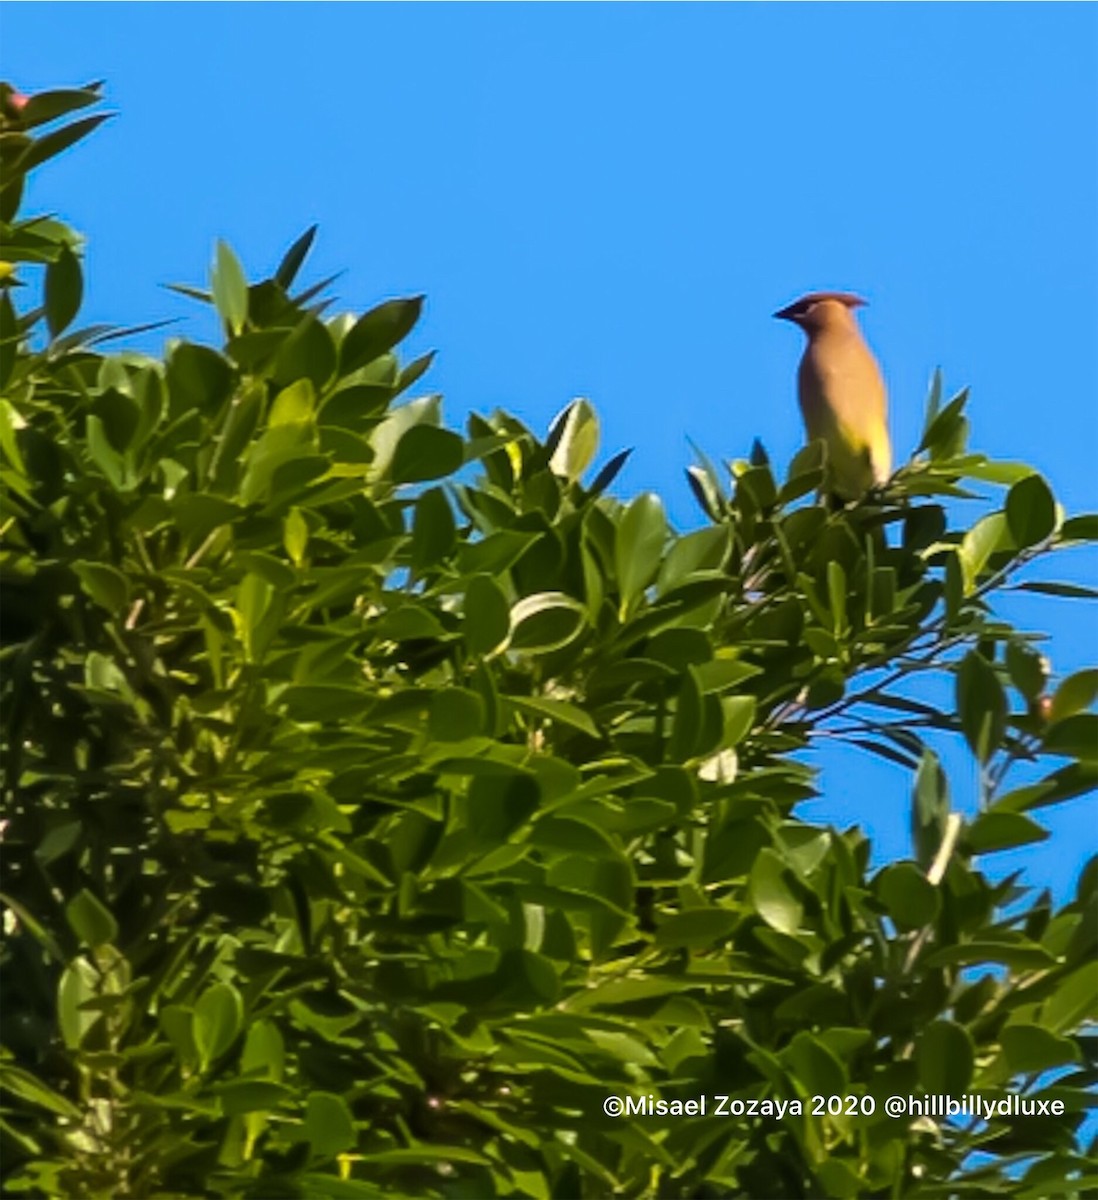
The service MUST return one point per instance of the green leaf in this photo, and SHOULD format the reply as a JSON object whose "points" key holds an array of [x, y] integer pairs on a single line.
{"points": [[981, 705], [546, 621], [120, 416], [930, 807], [1075, 779], [241, 1096], [64, 290], [911, 899], [755, 489], [91, 921], [10, 338], [739, 716], [43, 107], [720, 674], [943, 435], [495, 553], [359, 407], [24, 1085], [638, 549], [988, 535], [308, 353], [994, 830], [229, 288], [264, 1050], [817, 1068], [608, 473], [686, 728], [104, 455], [697, 928], [103, 674], [1020, 955], [573, 440], [426, 452], [945, 1055], [1074, 695], [434, 534], [1077, 736], [198, 378], [295, 536], [1069, 591], [291, 262], [771, 894], [836, 596], [329, 1125], [706, 492], [333, 1187], [294, 405], [933, 401], [253, 599], [377, 332], [44, 148], [218, 1020], [977, 466], [702, 550], [106, 585], [1082, 528], [1033, 1048], [1026, 668], [79, 984], [556, 710], [487, 622], [10, 422], [1030, 511], [455, 714], [1073, 1001], [325, 702]]}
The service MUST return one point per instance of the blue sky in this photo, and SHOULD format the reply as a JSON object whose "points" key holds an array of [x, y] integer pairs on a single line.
{"points": [[610, 200]]}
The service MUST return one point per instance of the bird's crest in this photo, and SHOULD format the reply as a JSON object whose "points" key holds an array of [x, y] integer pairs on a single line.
{"points": [[799, 307]]}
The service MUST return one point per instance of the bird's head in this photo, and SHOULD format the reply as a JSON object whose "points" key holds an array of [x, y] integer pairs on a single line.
{"points": [[818, 310]]}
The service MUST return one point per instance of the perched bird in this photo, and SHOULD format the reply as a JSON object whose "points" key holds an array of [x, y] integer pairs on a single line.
{"points": [[841, 392]]}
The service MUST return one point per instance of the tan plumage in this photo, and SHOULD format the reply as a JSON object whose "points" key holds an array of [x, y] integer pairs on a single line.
{"points": [[841, 392]]}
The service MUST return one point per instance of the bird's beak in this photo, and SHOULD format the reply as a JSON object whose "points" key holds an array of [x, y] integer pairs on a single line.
{"points": [[785, 314]]}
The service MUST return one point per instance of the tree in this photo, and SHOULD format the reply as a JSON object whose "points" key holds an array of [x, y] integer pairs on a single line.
{"points": [[381, 801]]}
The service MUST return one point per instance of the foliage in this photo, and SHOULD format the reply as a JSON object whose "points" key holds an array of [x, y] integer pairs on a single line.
{"points": [[380, 799]]}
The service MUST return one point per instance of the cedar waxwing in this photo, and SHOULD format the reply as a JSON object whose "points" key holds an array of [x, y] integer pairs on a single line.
{"points": [[841, 392]]}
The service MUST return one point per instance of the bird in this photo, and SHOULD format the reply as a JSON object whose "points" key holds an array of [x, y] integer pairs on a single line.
{"points": [[842, 392]]}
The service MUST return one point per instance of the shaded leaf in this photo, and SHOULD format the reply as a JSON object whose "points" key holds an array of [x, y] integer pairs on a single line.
{"points": [[377, 332], [981, 705], [487, 622], [288, 268], [1030, 511], [64, 290], [911, 899], [426, 452], [993, 830], [434, 535], [329, 1125], [945, 1055]]}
